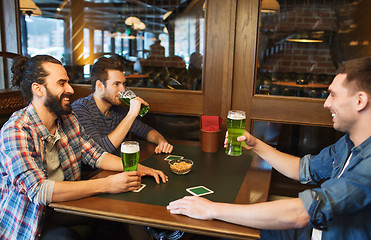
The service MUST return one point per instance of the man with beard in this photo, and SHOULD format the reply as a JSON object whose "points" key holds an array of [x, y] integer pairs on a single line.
{"points": [[341, 207], [41, 150], [103, 115]]}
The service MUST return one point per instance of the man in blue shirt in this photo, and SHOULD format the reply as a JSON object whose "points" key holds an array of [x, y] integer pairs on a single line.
{"points": [[341, 207], [103, 115]]}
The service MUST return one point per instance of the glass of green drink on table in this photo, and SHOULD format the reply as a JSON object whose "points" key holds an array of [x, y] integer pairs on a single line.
{"points": [[235, 124], [127, 96], [130, 155]]}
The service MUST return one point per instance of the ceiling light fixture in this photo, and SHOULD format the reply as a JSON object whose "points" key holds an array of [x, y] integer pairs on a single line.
{"points": [[135, 23], [304, 40], [270, 6], [61, 7], [307, 37], [166, 15], [37, 12], [29, 7], [132, 20], [140, 26]]}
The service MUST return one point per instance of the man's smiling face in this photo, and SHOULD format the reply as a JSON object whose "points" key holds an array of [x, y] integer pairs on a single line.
{"points": [[340, 103], [58, 91]]}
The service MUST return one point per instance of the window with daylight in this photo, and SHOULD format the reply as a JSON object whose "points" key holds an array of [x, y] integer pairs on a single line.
{"points": [[161, 41]]}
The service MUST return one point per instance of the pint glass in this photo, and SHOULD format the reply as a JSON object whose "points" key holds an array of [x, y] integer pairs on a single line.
{"points": [[130, 155], [127, 95], [235, 123]]}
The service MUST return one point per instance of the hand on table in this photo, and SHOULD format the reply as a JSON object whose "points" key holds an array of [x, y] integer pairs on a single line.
{"points": [[123, 182], [157, 174], [164, 147], [191, 206]]}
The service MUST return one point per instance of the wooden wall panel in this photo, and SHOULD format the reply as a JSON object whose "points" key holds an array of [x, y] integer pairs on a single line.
{"points": [[218, 64], [245, 51], [307, 111], [179, 102]]}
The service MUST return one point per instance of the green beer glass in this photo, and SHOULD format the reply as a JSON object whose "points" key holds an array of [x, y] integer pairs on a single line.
{"points": [[130, 155], [235, 123], [127, 95]]}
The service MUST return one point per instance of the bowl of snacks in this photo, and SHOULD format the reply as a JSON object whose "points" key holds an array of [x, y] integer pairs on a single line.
{"points": [[181, 166]]}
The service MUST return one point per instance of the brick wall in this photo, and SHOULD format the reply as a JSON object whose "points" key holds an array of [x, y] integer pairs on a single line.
{"points": [[301, 58], [314, 17], [283, 56]]}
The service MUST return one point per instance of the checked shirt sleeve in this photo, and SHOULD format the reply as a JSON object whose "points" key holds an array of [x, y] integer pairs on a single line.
{"points": [[20, 160]]}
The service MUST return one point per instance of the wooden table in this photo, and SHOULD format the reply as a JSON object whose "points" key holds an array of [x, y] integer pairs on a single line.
{"points": [[254, 188]]}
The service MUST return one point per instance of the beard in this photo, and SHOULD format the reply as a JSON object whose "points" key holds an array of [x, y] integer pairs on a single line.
{"points": [[54, 104], [112, 101]]}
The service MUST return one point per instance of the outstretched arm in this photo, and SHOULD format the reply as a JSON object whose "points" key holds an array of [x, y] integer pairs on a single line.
{"points": [[286, 164], [282, 214]]}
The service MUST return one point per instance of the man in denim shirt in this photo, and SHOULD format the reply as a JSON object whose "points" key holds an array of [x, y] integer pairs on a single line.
{"points": [[341, 207]]}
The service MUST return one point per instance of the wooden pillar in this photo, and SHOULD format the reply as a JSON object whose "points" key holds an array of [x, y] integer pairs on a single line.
{"points": [[78, 24], [91, 46], [245, 54], [219, 54]]}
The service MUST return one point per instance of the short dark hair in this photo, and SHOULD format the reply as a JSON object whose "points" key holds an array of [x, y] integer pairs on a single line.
{"points": [[100, 67], [29, 70], [358, 72]]}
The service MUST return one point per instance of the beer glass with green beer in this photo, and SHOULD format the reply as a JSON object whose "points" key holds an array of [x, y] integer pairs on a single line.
{"points": [[130, 155], [235, 123], [127, 95]]}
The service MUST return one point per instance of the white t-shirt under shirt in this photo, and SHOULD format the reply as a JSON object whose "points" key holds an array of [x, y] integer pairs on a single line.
{"points": [[317, 234], [53, 170]]}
